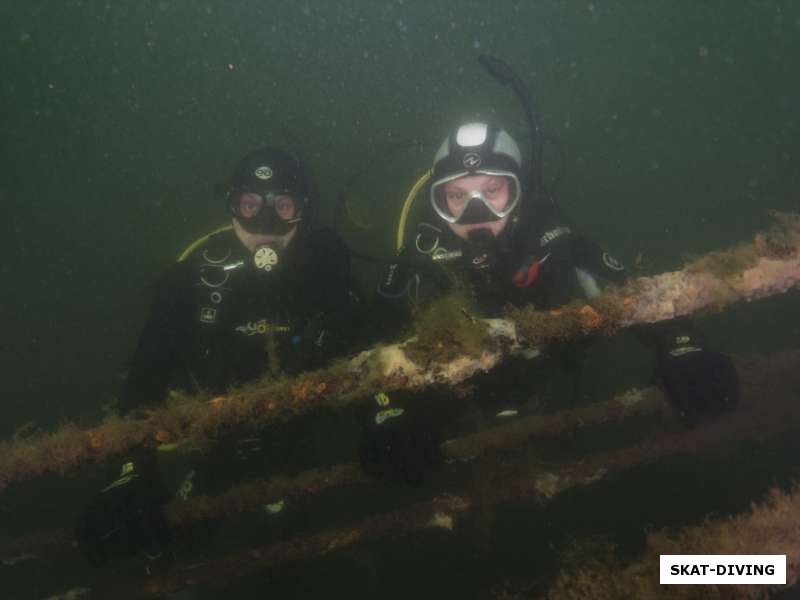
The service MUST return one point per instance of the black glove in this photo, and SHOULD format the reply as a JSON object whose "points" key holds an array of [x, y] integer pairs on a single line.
{"points": [[699, 382], [396, 278], [126, 518], [399, 442]]}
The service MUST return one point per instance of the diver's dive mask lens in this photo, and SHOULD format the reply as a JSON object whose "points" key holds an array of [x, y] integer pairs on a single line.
{"points": [[273, 212], [245, 204], [491, 202]]}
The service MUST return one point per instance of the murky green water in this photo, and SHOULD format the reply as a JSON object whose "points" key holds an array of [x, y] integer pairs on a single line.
{"points": [[679, 121]]}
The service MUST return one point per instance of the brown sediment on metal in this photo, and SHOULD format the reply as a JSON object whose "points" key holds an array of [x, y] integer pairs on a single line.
{"points": [[769, 265], [253, 495], [636, 402], [768, 409], [438, 512]]}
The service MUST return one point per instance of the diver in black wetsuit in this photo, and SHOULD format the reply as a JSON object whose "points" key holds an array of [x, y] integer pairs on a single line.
{"points": [[272, 282], [271, 292], [486, 234]]}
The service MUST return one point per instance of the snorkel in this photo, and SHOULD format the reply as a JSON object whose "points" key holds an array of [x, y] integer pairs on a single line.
{"points": [[501, 71], [542, 200]]}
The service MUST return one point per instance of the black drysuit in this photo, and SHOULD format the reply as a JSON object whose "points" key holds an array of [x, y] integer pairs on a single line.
{"points": [[217, 320]]}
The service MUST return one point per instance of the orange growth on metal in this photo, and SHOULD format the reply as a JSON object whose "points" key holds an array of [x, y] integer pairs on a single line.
{"points": [[590, 318]]}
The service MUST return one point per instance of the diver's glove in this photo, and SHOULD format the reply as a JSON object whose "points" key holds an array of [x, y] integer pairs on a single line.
{"points": [[398, 442], [397, 276], [127, 518], [698, 381]]}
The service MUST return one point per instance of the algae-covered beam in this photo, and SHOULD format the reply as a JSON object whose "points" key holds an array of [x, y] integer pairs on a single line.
{"points": [[769, 407], [436, 513], [254, 495], [761, 417], [769, 265], [633, 403]]}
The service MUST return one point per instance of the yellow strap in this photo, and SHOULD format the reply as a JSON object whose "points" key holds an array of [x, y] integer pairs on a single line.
{"points": [[199, 242], [412, 194]]}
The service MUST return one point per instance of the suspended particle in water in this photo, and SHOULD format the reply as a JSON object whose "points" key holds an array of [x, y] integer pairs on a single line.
{"points": [[702, 52]]}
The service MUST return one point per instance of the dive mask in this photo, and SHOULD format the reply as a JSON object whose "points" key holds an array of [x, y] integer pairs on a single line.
{"points": [[474, 206], [274, 212]]}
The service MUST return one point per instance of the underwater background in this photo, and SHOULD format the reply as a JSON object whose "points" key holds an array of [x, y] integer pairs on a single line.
{"points": [[678, 121]]}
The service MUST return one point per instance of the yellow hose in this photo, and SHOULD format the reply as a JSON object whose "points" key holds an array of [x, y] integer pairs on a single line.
{"points": [[198, 242], [412, 194]]}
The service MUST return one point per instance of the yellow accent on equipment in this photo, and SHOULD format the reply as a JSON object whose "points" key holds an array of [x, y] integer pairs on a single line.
{"points": [[382, 399], [412, 194], [198, 242], [389, 413]]}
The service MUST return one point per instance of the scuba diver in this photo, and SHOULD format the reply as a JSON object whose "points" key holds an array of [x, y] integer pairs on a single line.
{"points": [[272, 275], [492, 232], [269, 294]]}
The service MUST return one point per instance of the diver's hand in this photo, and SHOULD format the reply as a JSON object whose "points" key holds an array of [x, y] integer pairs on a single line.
{"points": [[396, 278], [699, 382], [399, 442], [127, 518]]}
